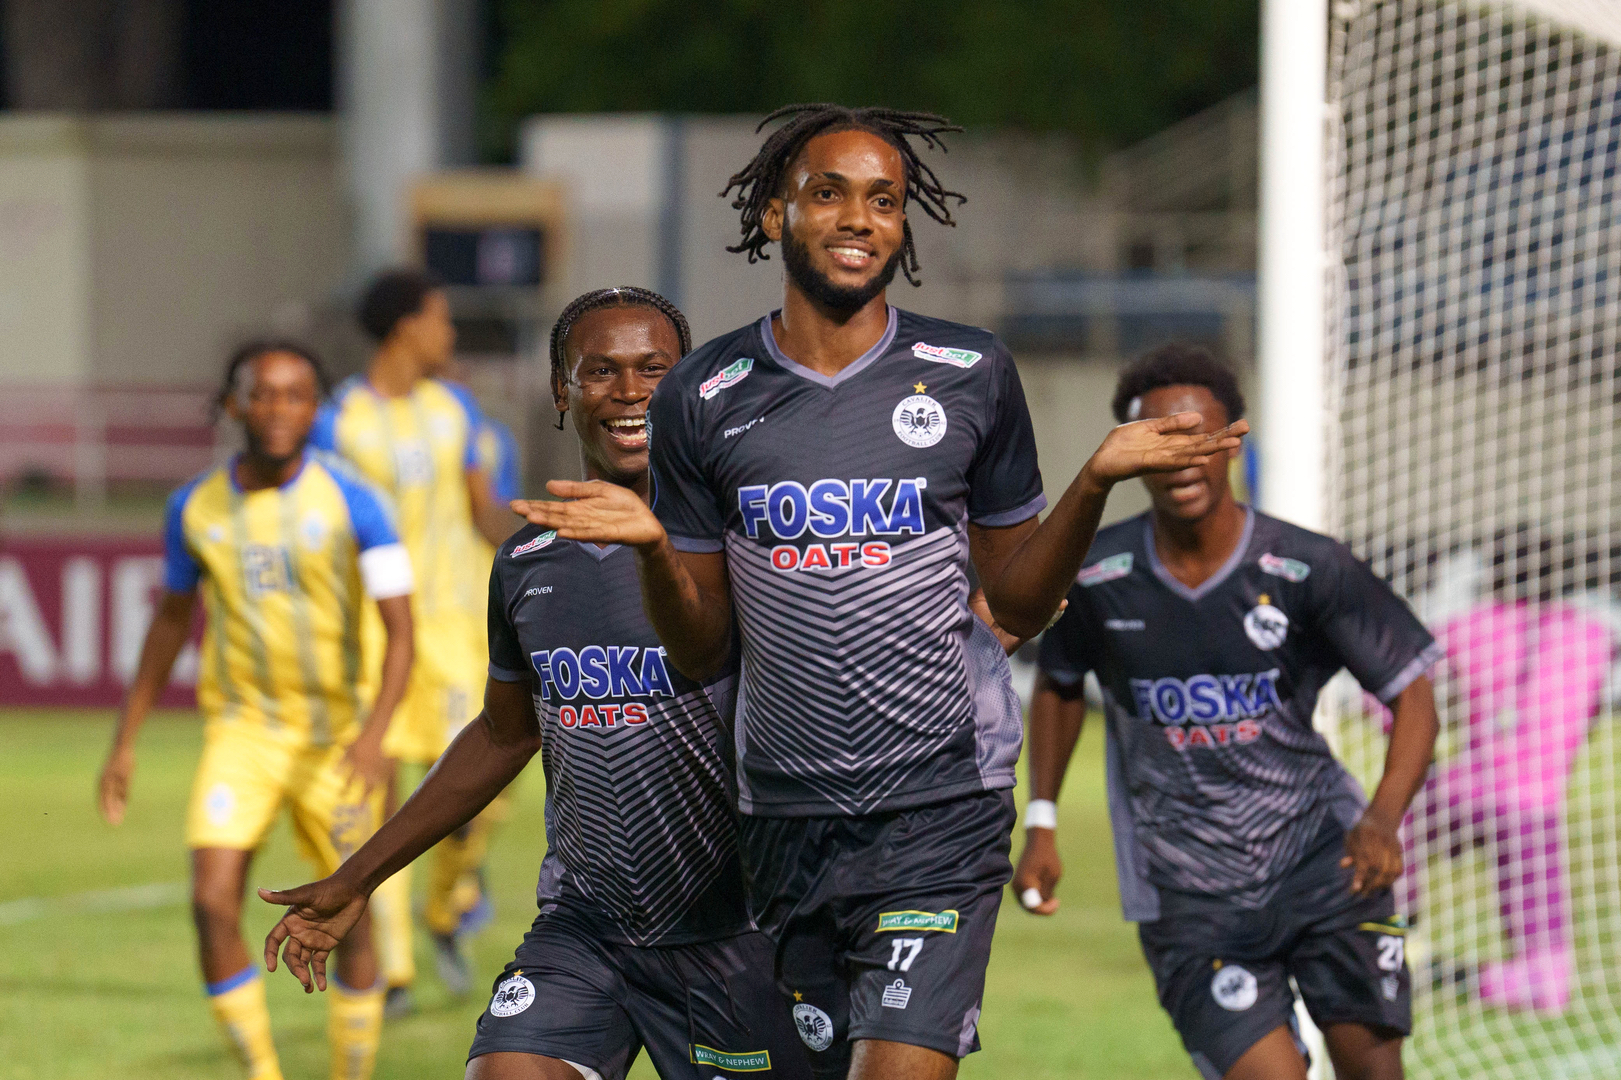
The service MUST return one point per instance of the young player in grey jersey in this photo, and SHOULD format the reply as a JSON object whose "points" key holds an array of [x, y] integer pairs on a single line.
{"points": [[828, 473], [1246, 853], [643, 938]]}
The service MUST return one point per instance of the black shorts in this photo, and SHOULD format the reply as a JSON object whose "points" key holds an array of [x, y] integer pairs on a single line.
{"points": [[883, 923], [701, 1011], [1223, 971]]}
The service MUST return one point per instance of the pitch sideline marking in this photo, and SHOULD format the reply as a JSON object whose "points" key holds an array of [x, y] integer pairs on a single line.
{"points": [[99, 901]]}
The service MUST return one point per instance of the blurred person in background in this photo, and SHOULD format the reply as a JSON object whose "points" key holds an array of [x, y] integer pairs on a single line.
{"points": [[643, 937], [1533, 667], [416, 437], [287, 545], [1246, 854]]}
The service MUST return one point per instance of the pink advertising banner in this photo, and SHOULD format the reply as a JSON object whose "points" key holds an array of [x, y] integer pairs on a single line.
{"points": [[73, 614]]}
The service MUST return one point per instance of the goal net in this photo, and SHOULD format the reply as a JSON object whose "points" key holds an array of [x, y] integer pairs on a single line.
{"points": [[1474, 330]]}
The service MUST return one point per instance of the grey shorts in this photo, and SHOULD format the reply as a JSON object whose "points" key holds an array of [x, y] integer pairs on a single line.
{"points": [[700, 1011], [1223, 971], [883, 923]]}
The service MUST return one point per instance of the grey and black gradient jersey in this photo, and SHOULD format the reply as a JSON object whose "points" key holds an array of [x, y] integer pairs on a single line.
{"points": [[1217, 780], [641, 837], [842, 505]]}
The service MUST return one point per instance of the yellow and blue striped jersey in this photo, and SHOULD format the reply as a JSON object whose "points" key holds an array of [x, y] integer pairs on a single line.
{"points": [[280, 571], [418, 448]]}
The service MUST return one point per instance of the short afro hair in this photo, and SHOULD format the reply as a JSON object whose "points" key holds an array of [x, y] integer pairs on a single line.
{"points": [[1178, 363], [394, 295]]}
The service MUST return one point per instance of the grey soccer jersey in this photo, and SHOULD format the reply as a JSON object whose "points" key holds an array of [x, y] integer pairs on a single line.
{"points": [[842, 505], [1217, 780], [640, 833]]}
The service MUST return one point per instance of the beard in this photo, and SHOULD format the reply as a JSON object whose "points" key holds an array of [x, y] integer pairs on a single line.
{"points": [[796, 259]]}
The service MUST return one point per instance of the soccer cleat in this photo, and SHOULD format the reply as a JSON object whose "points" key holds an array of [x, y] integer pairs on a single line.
{"points": [[454, 970], [1539, 981], [398, 1003]]}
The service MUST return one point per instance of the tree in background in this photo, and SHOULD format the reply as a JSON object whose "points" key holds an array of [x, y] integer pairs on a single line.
{"points": [[1109, 72]]}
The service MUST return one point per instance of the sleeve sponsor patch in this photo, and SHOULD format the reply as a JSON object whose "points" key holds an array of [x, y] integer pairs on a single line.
{"points": [[534, 545], [943, 921], [1288, 569], [939, 354], [1115, 566], [731, 375]]}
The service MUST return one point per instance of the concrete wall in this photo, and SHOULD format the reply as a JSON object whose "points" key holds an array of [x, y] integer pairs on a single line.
{"points": [[137, 250]]}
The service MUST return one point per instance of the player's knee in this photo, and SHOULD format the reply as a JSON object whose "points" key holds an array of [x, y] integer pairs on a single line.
{"points": [[214, 909]]}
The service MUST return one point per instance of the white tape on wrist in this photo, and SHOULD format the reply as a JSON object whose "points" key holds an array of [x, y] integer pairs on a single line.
{"points": [[1041, 814]]}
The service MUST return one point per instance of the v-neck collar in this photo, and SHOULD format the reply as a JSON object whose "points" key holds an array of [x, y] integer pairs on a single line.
{"points": [[595, 552], [860, 364], [1233, 562]]}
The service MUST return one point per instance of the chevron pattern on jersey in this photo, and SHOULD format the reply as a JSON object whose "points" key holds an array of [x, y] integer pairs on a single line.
{"points": [[853, 679], [1257, 812], [640, 816]]}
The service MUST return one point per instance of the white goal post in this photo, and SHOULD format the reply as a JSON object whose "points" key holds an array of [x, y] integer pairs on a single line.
{"points": [[1440, 386]]}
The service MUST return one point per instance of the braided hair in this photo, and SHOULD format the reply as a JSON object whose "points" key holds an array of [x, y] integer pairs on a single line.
{"points": [[620, 296], [250, 352], [761, 180]]}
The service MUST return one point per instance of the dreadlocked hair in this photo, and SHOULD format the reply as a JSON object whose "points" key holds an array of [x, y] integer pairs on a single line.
{"points": [[620, 296], [761, 179], [250, 352]]}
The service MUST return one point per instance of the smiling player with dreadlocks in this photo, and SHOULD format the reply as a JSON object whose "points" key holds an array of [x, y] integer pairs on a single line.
{"points": [[642, 938], [830, 470]]}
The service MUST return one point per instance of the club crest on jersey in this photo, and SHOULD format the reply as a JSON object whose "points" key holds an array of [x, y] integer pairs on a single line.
{"points": [[534, 545], [1234, 988], [1265, 625], [1115, 566], [919, 421], [730, 375], [1289, 569], [513, 996], [815, 1026], [939, 354]]}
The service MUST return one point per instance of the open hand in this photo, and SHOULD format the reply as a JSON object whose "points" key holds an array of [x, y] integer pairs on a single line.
{"points": [[1039, 868], [596, 511], [364, 763], [1374, 850], [319, 916], [1163, 444], [113, 788]]}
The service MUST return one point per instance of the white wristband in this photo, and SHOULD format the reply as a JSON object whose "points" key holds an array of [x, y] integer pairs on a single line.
{"points": [[1041, 814]]}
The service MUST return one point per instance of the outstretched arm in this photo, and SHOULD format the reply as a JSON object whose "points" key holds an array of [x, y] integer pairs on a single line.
{"points": [[364, 758], [167, 635], [1056, 715], [1372, 846], [480, 763], [687, 595], [1027, 568]]}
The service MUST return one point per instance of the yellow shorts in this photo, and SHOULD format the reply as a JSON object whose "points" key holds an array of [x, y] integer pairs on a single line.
{"points": [[437, 705], [245, 776]]}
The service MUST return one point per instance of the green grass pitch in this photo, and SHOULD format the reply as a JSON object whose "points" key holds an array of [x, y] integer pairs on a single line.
{"points": [[107, 986]]}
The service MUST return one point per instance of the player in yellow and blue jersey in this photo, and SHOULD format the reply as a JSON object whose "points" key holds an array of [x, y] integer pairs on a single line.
{"points": [[415, 437], [286, 545]]}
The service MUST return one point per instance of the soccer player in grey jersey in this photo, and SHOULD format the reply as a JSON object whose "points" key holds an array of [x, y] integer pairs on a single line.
{"points": [[1246, 853], [827, 473], [643, 938]]}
